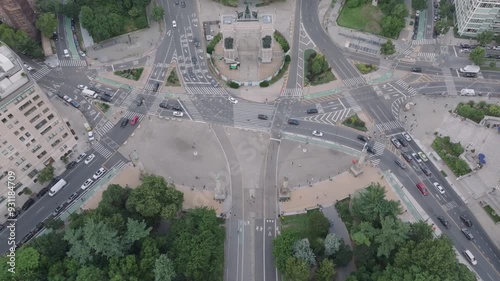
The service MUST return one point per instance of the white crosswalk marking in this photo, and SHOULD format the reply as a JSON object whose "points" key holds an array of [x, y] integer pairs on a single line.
{"points": [[103, 127], [99, 148], [118, 166], [206, 91], [389, 125], [73, 63], [407, 87], [396, 105], [427, 55], [424, 42], [295, 92], [379, 150], [40, 73], [330, 118], [245, 115], [131, 114], [192, 110], [352, 102], [151, 86], [407, 51], [354, 81]]}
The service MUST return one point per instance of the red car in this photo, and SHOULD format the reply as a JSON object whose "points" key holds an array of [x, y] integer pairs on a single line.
{"points": [[422, 188], [134, 120]]}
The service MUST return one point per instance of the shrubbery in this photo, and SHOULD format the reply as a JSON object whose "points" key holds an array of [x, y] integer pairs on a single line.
{"points": [[233, 85], [450, 152], [477, 111], [282, 41], [366, 68], [264, 84], [318, 70], [213, 43], [356, 123]]}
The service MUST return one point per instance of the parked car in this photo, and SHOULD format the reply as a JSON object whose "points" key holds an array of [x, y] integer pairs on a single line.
{"points": [[86, 184], [164, 105], [466, 220], [406, 136], [194, 60], [467, 233], [81, 87], [416, 157], [262, 117], [423, 156], [363, 138], [177, 108], [105, 98], [91, 136], [444, 222], [99, 173], [396, 143], [402, 140], [174, 23], [58, 210], [178, 114], [425, 170], [81, 157], [28, 204], [75, 104], [407, 156], [70, 165], [42, 192], [72, 197]]}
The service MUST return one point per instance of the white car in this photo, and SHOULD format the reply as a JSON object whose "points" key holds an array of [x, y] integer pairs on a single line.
{"points": [[396, 143], [174, 23], [80, 157], [66, 53], [82, 54], [439, 187], [496, 48], [423, 156], [416, 157], [87, 183], [233, 100], [178, 114], [29, 68], [406, 136], [66, 98], [82, 87], [91, 136], [99, 173], [317, 134], [90, 158]]}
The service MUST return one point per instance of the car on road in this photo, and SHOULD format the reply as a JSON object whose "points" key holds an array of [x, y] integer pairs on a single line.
{"points": [[91, 136], [107, 94], [194, 60], [89, 158], [183, 4], [164, 105], [28, 204], [470, 75], [38, 227], [407, 156], [80, 157], [406, 136], [176, 2], [416, 69], [417, 13], [191, 73], [134, 120], [29, 68], [370, 149], [124, 123], [75, 104], [262, 117], [439, 188], [66, 53], [157, 86], [86, 184], [99, 173], [363, 138], [402, 140], [444, 221], [61, 95], [425, 170], [105, 98], [293, 122], [466, 220], [72, 197], [178, 114], [232, 100], [470, 257], [467, 233], [422, 189], [214, 83], [82, 53], [317, 133], [312, 111], [58, 210], [396, 143], [416, 157], [400, 163], [423, 156], [174, 23], [496, 48], [140, 102], [71, 165], [42, 192], [81, 87], [66, 98]]}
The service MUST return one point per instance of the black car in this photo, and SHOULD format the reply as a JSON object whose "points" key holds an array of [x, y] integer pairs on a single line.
{"points": [[177, 108], [402, 140], [14, 214], [183, 4], [59, 94], [28, 204], [465, 46], [293, 122], [71, 165], [194, 60], [444, 222], [425, 170], [196, 43], [363, 138], [466, 220], [312, 111], [262, 117], [414, 37], [416, 69], [108, 94], [156, 87], [470, 75], [435, 34], [124, 123], [105, 98], [370, 149], [165, 105], [38, 227], [58, 210], [407, 156], [140, 102], [191, 73], [27, 238], [42, 192]]}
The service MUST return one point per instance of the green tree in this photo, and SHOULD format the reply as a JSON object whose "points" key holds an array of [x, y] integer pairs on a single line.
{"points": [[391, 236], [51, 247], [54, 223], [114, 200], [135, 231], [419, 5], [47, 23], [318, 225], [302, 251], [477, 56], [164, 269], [48, 6], [420, 231], [484, 38], [326, 270], [125, 268], [27, 263], [494, 110], [332, 244], [46, 174], [442, 26], [391, 26], [388, 48], [344, 255], [283, 248], [371, 206], [157, 13], [71, 9], [296, 270], [90, 273], [155, 198], [87, 17]]}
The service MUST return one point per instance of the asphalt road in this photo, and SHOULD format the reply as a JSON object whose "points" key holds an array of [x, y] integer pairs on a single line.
{"points": [[294, 54]]}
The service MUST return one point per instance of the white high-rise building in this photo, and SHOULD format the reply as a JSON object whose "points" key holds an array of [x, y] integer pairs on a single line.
{"points": [[476, 16]]}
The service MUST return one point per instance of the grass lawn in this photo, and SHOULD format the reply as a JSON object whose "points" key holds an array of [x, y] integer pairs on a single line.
{"points": [[493, 215], [132, 74], [366, 68], [356, 123], [299, 222], [307, 54], [364, 18], [173, 79], [103, 106]]}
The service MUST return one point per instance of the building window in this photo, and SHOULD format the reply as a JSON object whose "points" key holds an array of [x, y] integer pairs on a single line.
{"points": [[35, 118], [16, 133], [4, 142], [10, 116], [65, 135], [40, 103], [16, 122], [28, 144], [4, 120], [61, 128], [36, 148], [23, 139], [25, 105], [22, 129], [42, 154], [33, 140], [45, 110], [56, 142], [11, 158], [5, 152], [40, 124], [36, 97], [25, 168], [11, 147], [46, 130], [10, 126], [50, 117], [20, 161], [27, 134], [16, 154], [33, 173], [30, 111]]}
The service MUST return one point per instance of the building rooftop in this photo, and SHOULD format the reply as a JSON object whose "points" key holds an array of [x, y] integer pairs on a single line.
{"points": [[12, 74]]}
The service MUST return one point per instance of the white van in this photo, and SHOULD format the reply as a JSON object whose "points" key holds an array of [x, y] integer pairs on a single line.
{"points": [[470, 257], [467, 92], [58, 186], [66, 53]]}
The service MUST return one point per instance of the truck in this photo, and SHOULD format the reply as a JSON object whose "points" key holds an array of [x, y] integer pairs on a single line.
{"points": [[58, 186], [87, 127], [470, 69], [89, 93]]}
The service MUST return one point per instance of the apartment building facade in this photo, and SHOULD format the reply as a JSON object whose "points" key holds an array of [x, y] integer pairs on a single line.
{"points": [[19, 14], [32, 135], [476, 16]]}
